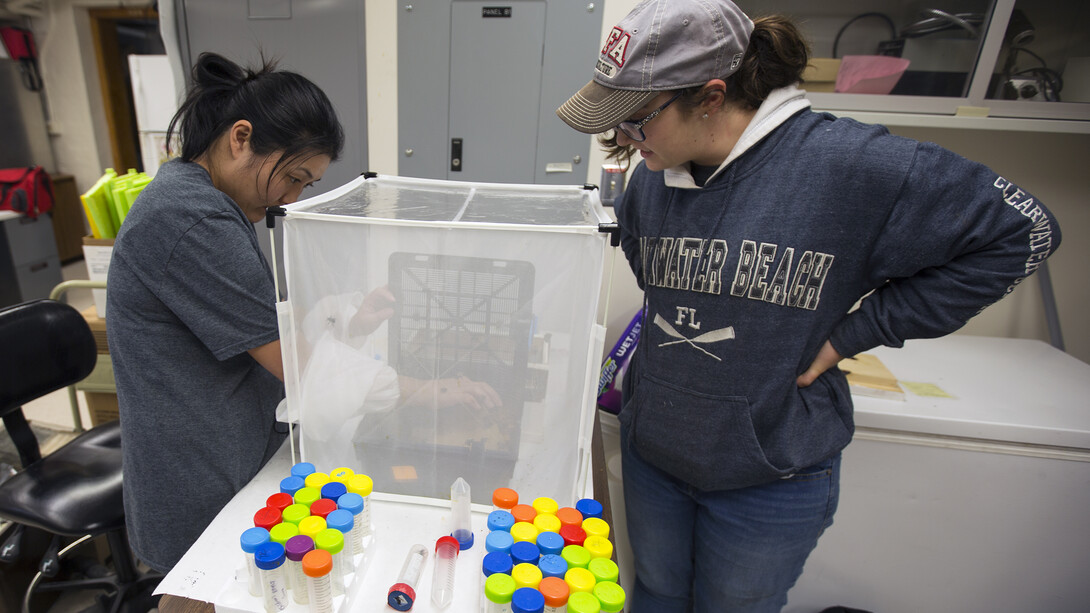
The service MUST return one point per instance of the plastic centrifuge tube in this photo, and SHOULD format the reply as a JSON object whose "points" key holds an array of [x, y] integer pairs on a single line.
{"points": [[442, 578], [403, 592], [459, 513]]}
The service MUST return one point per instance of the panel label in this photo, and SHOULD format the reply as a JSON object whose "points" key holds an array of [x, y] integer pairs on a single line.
{"points": [[496, 11]]}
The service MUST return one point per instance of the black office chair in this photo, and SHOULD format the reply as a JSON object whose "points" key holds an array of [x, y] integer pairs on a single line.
{"points": [[73, 493]]}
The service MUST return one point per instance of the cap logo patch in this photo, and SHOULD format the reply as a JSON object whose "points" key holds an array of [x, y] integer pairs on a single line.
{"points": [[736, 61], [616, 46]]}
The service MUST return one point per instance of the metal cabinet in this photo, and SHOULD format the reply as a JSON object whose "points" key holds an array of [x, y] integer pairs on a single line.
{"points": [[29, 266]]}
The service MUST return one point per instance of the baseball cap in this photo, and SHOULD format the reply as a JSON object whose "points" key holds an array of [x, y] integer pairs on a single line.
{"points": [[661, 45]]}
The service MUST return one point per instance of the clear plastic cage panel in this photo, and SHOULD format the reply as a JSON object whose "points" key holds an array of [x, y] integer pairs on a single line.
{"points": [[438, 329]]}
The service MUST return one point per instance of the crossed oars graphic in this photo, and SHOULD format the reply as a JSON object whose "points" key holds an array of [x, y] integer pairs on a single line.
{"points": [[708, 337]]}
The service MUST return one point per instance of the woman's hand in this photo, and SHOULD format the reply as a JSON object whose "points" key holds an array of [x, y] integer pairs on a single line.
{"points": [[376, 308], [826, 358]]}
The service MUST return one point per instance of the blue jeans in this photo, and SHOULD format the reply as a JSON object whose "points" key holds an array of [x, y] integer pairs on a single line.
{"points": [[728, 551]]}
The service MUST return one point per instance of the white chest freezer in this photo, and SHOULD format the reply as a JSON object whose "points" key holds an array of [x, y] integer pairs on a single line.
{"points": [[973, 501]]}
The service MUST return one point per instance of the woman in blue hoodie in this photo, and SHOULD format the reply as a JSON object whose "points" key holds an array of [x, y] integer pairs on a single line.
{"points": [[753, 226]]}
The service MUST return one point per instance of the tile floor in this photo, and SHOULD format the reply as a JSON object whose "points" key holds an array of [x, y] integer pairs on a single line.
{"points": [[54, 411]]}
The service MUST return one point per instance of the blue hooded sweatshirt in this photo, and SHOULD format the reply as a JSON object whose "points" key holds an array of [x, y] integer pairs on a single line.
{"points": [[746, 277]]}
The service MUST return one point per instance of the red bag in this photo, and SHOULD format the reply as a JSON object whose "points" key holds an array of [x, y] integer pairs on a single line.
{"points": [[26, 190]]}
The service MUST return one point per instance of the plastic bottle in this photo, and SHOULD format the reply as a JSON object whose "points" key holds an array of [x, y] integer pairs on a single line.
{"points": [[525, 552], [250, 540], [280, 500], [524, 512], [332, 540], [500, 519], [573, 535], [568, 516], [504, 498], [295, 513], [316, 480], [460, 519], [598, 547], [589, 508], [290, 485], [267, 517], [610, 596], [306, 496], [545, 506], [526, 575], [341, 474], [317, 565], [527, 600], [297, 547], [583, 602], [552, 565], [550, 542], [596, 526], [498, 590], [334, 490], [282, 533], [362, 485], [579, 580], [576, 556], [269, 559], [442, 578], [403, 592], [302, 469], [547, 523], [524, 531], [603, 569], [322, 507], [353, 503], [342, 521], [555, 593], [496, 562], [311, 526], [499, 541]]}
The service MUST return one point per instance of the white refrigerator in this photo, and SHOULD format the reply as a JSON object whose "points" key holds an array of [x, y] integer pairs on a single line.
{"points": [[155, 102], [973, 497]]}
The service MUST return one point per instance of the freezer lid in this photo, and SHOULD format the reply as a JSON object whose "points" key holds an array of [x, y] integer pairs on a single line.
{"points": [[1011, 390]]}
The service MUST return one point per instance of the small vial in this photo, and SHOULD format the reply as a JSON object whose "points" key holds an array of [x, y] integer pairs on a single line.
{"points": [[610, 596], [498, 590], [280, 500], [341, 475], [442, 579], [579, 580], [267, 517], [553, 565], [459, 513], [603, 569], [297, 547], [500, 520], [589, 508], [403, 592], [353, 503], [547, 523], [307, 496], [496, 562], [317, 565], [573, 535], [524, 531], [596, 526], [270, 564], [583, 602], [342, 521], [316, 480], [555, 593], [334, 490], [527, 600], [332, 540], [311, 526], [550, 542], [250, 540], [322, 507], [499, 541], [598, 547], [545, 506], [525, 552], [504, 498], [296, 513], [363, 485], [568, 516], [302, 469], [524, 512], [526, 575], [281, 533], [576, 556], [290, 485]]}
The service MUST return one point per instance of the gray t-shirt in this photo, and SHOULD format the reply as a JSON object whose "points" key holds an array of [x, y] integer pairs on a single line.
{"points": [[189, 292]]}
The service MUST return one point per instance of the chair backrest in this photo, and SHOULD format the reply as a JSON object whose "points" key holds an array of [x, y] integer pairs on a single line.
{"points": [[45, 345]]}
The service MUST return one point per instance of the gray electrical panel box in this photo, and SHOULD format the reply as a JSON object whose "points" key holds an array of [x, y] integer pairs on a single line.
{"points": [[479, 83], [323, 41]]}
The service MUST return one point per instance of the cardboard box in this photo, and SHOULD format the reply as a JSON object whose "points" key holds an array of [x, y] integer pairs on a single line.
{"points": [[820, 74], [97, 253]]}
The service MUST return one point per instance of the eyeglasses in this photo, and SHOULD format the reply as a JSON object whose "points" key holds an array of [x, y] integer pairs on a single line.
{"points": [[634, 129]]}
